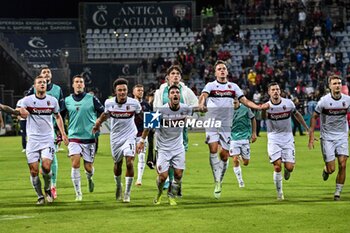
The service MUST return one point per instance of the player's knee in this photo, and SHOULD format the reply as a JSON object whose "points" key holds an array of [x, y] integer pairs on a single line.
{"points": [[162, 177], [130, 164], [34, 172], [245, 162], [342, 165], [235, 162], [277, 168], [330, 169]]}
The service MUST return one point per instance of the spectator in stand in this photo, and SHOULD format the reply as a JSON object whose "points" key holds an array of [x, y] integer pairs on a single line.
{"points": [[251, 83]]}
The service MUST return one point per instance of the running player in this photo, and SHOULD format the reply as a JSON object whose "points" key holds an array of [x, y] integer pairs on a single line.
{"points": [[280, 138], [39, 108], [243, 119], [55, 91], [218, 97], [82, 109], [332, 110]]}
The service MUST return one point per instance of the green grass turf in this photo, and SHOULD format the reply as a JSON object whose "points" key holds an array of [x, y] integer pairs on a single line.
{"points": [[308, 205]]}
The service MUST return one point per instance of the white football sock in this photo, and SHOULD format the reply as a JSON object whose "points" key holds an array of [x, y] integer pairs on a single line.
{"points": [[238, 173], [215, 166], [37, 185], [277, 179], [338, 189], [223, 169], [128, 183], [75, 176], [140, 167]]}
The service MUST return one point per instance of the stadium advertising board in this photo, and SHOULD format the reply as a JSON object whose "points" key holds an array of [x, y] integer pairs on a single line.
{"points": [[138, 14], [41, 42]]}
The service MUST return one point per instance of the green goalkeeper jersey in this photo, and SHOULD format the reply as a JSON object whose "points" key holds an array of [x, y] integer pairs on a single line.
{"points": [[241, 123], [82, 117]]}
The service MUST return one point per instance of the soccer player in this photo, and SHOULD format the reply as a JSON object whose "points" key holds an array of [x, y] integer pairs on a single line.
{"points": [[280, 138], [218, 97], [138, 95], [55, 91], [332, 110], [187, 96], [171, 150], [39, 108], [122, 110], [82, 109], [243, 119]]}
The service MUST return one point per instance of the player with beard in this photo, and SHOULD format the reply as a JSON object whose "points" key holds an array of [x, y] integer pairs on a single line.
{"points": [[171, 150], [55, 91], [39, 109], [332, 110], [280, 146]]}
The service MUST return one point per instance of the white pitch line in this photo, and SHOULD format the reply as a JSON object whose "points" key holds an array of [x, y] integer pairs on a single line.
{"points": [[13, 217]]}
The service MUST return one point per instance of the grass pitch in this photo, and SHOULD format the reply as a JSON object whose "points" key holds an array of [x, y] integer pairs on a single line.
{"points": [[308, 205]]}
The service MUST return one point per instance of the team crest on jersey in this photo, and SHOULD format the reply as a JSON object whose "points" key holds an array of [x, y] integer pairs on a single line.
{"points": [[343, 103], [77, 108], [34, 102], [330, 104], [159, 168], [284, 107], [127, 108], [229, 86], [48, 103]]}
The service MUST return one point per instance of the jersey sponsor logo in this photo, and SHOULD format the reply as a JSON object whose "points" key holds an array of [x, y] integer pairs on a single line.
{"points": [[151, 120], [222, 93], [335, 111], [278, 116], [40, 111], [122, 115]]}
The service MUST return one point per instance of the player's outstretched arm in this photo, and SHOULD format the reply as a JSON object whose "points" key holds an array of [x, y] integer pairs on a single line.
{"points": [[8, 109], [252, 105]]}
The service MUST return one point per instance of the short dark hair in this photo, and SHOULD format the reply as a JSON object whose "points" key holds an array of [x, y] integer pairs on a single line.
{"points": [[218, 62], [119, 81], [173, 87], [137, 86], [44, 68], [77, 76], [174, 67], [272, 84]]}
